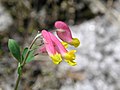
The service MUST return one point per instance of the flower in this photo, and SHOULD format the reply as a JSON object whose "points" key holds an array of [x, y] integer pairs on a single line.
{"points": [[56, 50], [64, 33], [42, 49], [69, 56], [49, 47]]}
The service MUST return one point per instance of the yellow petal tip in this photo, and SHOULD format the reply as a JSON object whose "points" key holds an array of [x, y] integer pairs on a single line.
{"points": [[65, 44], [56, 58], [71, 62], [75, 42], [70, 57]]}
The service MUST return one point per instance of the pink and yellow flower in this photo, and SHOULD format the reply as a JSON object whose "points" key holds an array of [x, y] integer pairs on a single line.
{"points": [[56, 50], [64, 33], [69, 56], [49, 47]]}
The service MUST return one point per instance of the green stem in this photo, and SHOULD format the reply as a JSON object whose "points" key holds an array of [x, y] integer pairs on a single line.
{"points": [[24, 61], [30, 47], [17, 81]]}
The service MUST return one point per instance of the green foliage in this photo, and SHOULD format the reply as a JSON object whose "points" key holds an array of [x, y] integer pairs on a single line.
{"points": [[24, 53], [30, 55], [14, 49]]}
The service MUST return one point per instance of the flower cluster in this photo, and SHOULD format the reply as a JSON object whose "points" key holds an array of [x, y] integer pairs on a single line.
{"points": [[56, 49]]}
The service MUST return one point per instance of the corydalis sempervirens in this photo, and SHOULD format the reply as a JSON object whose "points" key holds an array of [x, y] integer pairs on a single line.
{"points": [[57, 49]]}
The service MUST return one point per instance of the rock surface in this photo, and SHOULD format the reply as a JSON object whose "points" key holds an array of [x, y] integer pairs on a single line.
{"points": [[98, 57], [5, 19]]}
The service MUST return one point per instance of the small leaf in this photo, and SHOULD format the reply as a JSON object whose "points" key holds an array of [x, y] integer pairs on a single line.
{"points": [[14, 49], [30, 56], [24, 52]]}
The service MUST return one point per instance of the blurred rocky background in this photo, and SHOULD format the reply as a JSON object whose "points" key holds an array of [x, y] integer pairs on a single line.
{"points": [[95, 22]]}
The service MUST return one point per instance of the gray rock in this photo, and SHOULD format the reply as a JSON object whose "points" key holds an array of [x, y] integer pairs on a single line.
{"points": [[5, 19], [98, 56]]}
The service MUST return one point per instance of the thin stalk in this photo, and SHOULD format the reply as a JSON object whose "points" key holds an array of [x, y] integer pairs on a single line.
{"points": [[17, 81], [29, 48], [24, 61]]}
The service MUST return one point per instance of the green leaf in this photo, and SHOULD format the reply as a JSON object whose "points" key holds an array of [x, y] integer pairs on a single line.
{"points": [[24, 52], [14, 49], [30, 56]]}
